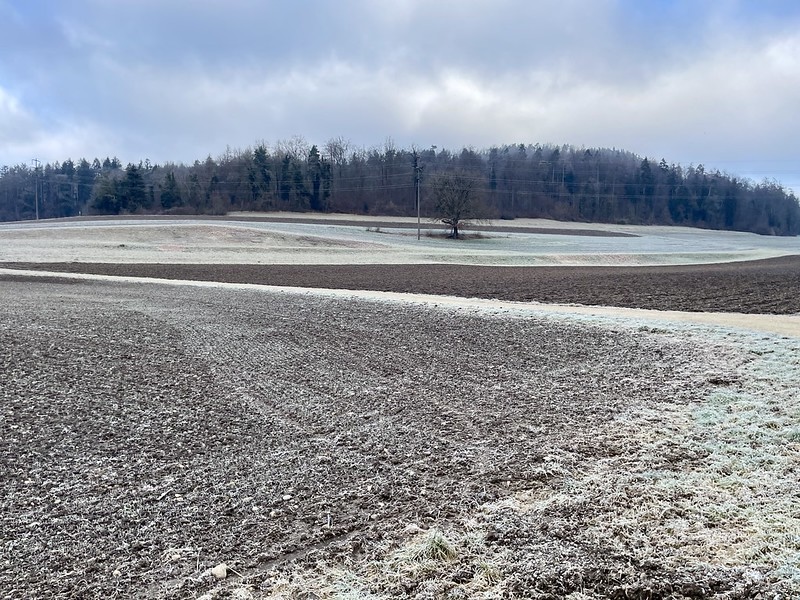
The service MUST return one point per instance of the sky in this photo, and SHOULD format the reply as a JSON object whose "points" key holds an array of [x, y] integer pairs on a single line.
{"points": [[715, 82]]}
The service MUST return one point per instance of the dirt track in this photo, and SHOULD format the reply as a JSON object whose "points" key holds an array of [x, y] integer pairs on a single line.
{"points": [[767, 286]]}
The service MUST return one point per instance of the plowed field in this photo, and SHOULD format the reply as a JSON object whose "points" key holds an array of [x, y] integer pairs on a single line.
{"points": [[164, 440], [762, 286]]}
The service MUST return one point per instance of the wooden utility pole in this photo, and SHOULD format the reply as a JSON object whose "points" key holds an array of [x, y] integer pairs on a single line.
{"points": [[37, 162], [417, 169]]}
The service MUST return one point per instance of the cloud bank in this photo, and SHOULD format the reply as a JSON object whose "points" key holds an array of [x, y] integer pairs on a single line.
{"points": [[715, 83]]}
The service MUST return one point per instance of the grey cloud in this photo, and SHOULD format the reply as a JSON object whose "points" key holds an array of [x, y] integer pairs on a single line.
{"points": [[178, 80]]}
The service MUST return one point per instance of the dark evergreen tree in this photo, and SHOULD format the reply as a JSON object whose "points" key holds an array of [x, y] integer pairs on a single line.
{"points": [[132, 190], [170, 192], [314, 166]]}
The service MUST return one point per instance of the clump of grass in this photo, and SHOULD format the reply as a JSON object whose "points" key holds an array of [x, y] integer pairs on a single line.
{"points": [[425, 563], [433, 546]]}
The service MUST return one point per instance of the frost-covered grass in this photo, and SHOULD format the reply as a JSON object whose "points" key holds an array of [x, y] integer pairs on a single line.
{"points": [[425, 562], [713, 484], [750, 432], [241, 242]]}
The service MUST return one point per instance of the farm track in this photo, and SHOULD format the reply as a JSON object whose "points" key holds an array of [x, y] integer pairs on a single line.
{"points": [[151, 432], [764, 286]]}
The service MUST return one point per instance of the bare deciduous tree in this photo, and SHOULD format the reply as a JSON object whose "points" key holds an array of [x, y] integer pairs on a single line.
{"points": [[336, 150], [296, 147], [457, 199]]}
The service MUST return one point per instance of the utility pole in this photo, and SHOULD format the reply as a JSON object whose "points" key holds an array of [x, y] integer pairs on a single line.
{"points": [[597, 179], [37, 162], [417, 169]]}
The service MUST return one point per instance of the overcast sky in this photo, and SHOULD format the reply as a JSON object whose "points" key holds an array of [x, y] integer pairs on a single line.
{"points": [[695, 81]]}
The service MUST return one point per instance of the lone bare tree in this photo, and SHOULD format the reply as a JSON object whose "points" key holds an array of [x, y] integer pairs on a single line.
{"points": [[457, 199]]}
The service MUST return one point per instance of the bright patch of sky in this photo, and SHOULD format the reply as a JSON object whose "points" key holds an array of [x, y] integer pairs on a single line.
{"points": [[716, 83]]}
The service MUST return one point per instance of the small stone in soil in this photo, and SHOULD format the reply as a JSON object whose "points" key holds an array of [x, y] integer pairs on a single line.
{"points": [[220, 571]]}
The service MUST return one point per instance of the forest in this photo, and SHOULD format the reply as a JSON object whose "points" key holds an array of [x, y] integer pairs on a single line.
{"points": [[534, 180]]}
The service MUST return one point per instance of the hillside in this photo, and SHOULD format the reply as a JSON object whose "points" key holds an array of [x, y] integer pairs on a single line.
{"points": [[538, 181]]}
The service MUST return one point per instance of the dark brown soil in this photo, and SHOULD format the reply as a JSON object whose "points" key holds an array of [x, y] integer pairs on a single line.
{"points": [[149, 432], [766, 286]]}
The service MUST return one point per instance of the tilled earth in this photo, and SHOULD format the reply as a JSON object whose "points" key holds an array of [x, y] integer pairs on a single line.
{"points": [[764, 286], [150, 432]]}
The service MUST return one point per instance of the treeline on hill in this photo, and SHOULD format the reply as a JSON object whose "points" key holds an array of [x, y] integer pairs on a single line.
{"points": [[547, 181]]}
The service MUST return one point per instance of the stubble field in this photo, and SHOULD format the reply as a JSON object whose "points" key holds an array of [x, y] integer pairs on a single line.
{"points": [[334, 447]]}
